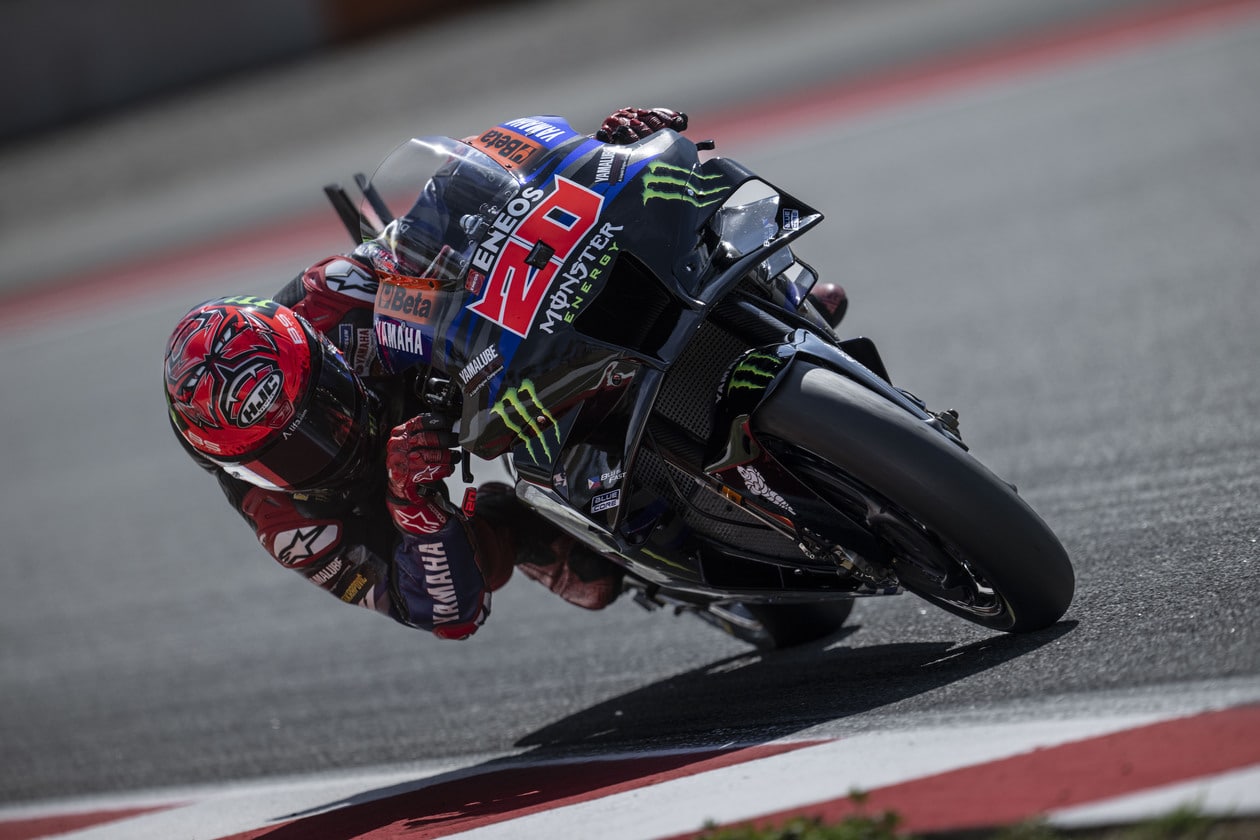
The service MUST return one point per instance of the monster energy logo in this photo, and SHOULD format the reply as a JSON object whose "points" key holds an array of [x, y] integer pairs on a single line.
{"points": [[526, 417], [674, 183], [754, 371], [249, 300]]}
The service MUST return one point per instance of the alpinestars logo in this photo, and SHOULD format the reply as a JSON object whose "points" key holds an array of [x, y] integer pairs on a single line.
{"points": [[419, 519], [346, 278], [527, 418], [673, 183], [302, 545]]}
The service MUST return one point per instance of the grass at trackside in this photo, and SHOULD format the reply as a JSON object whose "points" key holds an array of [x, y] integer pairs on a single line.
{"points": [[1182, 824]]}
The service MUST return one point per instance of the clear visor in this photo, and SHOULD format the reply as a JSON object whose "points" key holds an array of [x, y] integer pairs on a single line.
{"points": [[429, 204]]}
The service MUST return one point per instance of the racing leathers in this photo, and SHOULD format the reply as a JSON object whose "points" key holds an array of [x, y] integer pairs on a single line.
{"points": [[426, 565]]}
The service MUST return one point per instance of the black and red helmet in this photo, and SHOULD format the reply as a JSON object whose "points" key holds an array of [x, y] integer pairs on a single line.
{"points": [[254, 388]]}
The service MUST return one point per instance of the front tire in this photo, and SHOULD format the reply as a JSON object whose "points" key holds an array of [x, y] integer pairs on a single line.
{"points": [[958, 535]]}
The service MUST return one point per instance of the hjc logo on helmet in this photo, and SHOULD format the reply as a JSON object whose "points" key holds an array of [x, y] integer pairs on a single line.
{"points": [[251, 393]]}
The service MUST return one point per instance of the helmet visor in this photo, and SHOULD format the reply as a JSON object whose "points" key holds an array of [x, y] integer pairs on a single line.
{"points": [[328, 441]]}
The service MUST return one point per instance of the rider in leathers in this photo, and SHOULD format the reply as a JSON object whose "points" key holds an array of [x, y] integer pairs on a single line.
{"points": [[339, 469]]}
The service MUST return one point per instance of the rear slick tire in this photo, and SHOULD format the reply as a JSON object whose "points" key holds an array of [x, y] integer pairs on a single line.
{"points": [[959, 536]]}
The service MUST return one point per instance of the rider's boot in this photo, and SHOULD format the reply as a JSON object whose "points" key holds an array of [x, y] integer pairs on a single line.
{"points": [[507, 529]]}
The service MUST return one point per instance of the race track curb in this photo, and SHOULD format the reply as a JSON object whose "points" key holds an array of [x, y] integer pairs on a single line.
{"points": [[1075, 771]]}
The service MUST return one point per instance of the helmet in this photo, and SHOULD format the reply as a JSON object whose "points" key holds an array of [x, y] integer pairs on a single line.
{"points": [[253, 388]]}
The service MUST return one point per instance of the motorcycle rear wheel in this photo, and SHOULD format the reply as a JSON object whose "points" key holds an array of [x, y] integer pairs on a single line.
{"points": [[958, 536]]}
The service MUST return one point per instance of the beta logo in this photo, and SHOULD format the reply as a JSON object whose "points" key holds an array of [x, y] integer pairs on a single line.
{"points": [[525, 248], [408, 304]]}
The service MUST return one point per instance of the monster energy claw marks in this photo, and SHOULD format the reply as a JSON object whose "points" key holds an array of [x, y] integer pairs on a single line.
{"points": [[754, 372], [526, 417], [673, 183]]}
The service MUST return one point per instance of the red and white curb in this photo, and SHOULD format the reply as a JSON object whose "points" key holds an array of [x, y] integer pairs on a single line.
{"points": [[1080, 771]]}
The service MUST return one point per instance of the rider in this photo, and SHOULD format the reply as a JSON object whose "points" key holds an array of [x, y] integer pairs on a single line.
{"points": [[339, 468]]}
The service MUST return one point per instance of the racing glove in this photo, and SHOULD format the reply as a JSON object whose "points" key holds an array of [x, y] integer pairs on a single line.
{"points": [[438, 579], [419, 455], [628, 125]]}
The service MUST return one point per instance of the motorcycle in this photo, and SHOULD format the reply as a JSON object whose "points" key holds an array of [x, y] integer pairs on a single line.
{"points": [[630, 330]]}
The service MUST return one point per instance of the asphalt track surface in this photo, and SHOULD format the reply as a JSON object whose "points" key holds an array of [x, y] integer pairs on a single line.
{"points": [[1067, 251]]}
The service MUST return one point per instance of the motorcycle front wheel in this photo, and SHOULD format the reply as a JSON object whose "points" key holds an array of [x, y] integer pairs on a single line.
{"points": [[955, 534]]}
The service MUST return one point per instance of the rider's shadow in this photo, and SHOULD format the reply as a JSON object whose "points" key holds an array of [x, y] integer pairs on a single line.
{"points": [[687, 720]]}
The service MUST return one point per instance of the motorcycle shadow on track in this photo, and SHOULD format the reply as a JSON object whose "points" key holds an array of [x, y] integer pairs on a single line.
{"points": [[761, 696], [671, 727]]}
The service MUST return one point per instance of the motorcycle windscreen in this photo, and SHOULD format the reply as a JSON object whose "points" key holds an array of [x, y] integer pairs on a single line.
{"points": [[452, 193]]}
